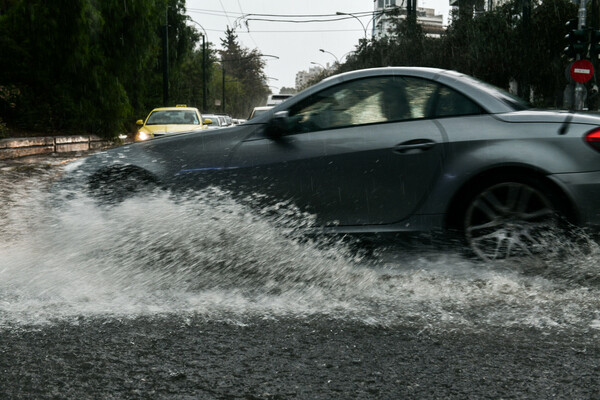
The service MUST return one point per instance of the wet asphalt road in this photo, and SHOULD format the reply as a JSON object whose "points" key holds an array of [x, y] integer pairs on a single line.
{"points": [[196, 356], [180, 358]]}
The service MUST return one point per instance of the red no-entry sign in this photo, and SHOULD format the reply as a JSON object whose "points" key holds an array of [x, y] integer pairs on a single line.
{"points": [[582, 71]]}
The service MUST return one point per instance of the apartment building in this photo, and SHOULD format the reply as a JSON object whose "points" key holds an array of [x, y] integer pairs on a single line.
{"points": [[432, 24], [302, 77]]}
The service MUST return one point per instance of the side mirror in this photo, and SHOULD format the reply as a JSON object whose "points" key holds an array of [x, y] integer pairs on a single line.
{"points": [[278, 125], [207, 121], [139, 122]]}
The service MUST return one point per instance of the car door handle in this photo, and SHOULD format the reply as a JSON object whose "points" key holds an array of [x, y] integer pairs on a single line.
{"points": [[416, 144]]}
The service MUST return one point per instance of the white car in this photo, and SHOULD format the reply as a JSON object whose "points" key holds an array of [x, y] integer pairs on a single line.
{"points": [[215, 122]]}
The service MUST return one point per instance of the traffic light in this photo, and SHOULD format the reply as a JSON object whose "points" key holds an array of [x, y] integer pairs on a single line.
{"points": [[577, 40], [594, 45], [572, 24]]}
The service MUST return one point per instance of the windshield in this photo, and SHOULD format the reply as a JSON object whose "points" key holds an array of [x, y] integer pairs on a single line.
{"points": [[173, 117]]}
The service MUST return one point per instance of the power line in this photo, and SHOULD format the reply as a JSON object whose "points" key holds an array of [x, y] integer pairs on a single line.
{"points": [[297, 22], [290, 31], [282, 18], [210, 12], [228, 20], [302, 31], [251, 38], [224, 13]]}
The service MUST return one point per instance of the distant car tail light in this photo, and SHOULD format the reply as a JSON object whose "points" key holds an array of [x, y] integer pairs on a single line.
{"points": [[593, 139]]}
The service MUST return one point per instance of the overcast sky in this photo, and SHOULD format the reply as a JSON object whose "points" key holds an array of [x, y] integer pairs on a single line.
{"points": [[296, 44]]}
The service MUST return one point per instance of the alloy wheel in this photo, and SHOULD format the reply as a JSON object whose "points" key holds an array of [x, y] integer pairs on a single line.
{"points": [[509, 220]]}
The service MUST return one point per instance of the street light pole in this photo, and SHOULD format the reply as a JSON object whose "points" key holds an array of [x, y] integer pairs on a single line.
{"points": [[204, 64], [204, 61], [358, 19], [166, 59], [334, 56]]}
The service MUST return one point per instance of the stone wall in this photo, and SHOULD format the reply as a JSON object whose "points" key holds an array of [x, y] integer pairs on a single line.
{"points": [[21, 147]]}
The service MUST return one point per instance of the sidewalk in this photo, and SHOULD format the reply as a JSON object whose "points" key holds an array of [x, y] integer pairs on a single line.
{"points": [[22, 147]]}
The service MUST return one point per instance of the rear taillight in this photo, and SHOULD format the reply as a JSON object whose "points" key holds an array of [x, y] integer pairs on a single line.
{"points": [[593, 139]]}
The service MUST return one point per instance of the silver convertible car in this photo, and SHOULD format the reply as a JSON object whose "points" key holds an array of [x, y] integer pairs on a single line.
{"points": [[393, 150]]}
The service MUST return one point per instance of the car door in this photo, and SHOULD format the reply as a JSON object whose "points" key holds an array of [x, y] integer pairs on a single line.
{"points": [[361, 152]]}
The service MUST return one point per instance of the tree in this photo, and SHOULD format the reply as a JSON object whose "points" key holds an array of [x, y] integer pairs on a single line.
{"points": [[548, 29], [287, 90], [244, 74], [496, 46], [404, 45], [187, 88], [86, 65]]}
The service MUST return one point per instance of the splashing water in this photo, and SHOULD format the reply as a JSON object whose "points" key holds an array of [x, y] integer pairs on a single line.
{"points": [[208, 254]]}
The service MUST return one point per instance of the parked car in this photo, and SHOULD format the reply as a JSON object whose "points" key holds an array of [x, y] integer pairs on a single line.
{"points": [[166, 120], [394, 150]]}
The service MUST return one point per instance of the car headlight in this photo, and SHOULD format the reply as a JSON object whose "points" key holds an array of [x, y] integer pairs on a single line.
{"points": [[141, 135]]}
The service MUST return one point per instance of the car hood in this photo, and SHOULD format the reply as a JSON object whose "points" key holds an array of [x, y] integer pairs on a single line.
{"points": [[169, 156], [163, 129]]}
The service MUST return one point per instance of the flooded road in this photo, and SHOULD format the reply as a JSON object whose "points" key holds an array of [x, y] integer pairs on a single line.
{"points": [[205, 297]]}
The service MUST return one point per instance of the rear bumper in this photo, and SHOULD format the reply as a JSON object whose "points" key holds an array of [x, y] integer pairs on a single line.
{"points": [[584, 190]]}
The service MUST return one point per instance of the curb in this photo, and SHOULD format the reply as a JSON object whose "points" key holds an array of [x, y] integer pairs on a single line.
{"points": [[22, 147]]}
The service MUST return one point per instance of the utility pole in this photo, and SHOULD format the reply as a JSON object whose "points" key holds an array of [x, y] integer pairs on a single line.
{"points": [[204, 64], [166, 59], [524, 86], [595, 25], [204, 109], [580, 90], [223, 94]]}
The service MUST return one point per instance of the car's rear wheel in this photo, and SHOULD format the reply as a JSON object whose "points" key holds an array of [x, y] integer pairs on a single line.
{"points": [[510, 219]]}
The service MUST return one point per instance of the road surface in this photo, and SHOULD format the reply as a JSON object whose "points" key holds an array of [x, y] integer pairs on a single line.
{"points": [[206, 298]]}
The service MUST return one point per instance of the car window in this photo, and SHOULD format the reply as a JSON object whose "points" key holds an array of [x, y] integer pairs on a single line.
{"points": [[364, 101], [449, 102], [516, 103], [173, 117], [420, 93]]}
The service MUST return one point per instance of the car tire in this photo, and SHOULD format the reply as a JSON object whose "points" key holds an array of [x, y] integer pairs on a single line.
{"points": [[506, 218]]}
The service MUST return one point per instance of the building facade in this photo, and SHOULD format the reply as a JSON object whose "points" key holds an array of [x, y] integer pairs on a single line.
{"points": [[481, 5], [432, 24], [302, 77]]}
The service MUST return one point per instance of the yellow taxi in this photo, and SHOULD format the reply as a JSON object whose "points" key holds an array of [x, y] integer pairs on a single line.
{"points": [[166, 120]]}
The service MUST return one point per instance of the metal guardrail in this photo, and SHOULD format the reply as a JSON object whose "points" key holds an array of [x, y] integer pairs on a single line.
{"points": [[21, 147]]}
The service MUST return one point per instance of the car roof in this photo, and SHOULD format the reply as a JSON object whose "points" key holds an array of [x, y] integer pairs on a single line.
{"points": [[484, 95], [175, 108]]}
